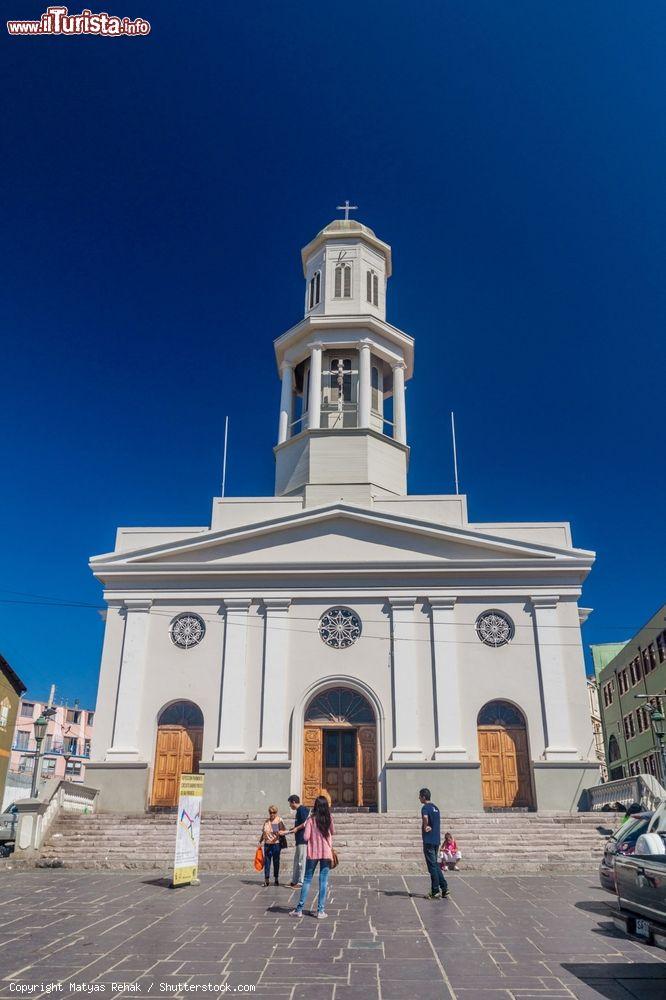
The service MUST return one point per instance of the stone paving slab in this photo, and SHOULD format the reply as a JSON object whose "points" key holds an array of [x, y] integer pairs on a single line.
{"points": [[127, 934]]}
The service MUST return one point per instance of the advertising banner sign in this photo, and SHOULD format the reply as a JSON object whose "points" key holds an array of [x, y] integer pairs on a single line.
{"points": [[188, 827]]}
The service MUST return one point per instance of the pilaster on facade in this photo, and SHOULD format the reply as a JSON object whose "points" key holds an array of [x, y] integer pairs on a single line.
{"points": [[231, 733], [274, 708], [405, 694], [446, 680], [560, 744], [125, 740]]}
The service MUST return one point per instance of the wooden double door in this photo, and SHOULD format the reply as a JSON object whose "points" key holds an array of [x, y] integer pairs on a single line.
{"points": [[505, 767], [342, 762], [178, 751]]}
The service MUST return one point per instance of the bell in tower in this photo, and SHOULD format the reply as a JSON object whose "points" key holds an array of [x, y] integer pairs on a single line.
{"points": [[342, 432]]}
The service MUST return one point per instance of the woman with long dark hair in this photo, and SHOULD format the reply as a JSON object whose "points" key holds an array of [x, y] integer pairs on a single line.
{"points": [[319, 831]]}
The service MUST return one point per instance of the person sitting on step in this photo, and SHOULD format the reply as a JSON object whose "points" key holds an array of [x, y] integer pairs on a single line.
{"points": [[449, 855]]}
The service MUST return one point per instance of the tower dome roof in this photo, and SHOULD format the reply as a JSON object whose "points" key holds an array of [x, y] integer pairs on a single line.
{"points": [[347, 229]]}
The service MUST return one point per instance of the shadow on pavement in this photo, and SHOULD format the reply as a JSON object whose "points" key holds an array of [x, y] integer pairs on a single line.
{"points": [[643, 980]]}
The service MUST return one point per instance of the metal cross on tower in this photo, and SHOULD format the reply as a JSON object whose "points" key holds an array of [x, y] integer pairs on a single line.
{"points": [[347, 208]]}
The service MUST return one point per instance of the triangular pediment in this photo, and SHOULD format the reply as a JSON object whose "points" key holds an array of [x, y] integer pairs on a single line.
{"points": [[337, 536]]}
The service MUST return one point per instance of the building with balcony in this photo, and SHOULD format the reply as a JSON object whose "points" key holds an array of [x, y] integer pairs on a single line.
{"points": [[65, 749], [638, 668]]}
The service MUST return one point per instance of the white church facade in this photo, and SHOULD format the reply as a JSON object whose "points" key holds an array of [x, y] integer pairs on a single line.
{"points": [[344, 634]]}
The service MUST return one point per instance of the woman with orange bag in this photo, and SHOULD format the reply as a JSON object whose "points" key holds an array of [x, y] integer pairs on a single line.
{"points": [[273, 829]]}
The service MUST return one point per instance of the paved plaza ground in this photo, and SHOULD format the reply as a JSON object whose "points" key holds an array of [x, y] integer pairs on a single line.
{"points": [[495, 937]]}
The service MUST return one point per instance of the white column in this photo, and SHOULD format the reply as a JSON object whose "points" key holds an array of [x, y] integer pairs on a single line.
{"points": [[407, 737], [284, 427], [446, 679], [364, 386], [274, 714], [557, 715], [231, 737], [314, 409], [399, 419], [130, 685]]}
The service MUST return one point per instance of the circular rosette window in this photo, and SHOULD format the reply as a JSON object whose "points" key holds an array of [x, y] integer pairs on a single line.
{"points": [[494, 628], [187, 630], [339, 627]]}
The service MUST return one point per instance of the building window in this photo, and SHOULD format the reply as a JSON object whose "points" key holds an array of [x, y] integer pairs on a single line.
{"points": [[26, 765], [343, 281], [629, 726], [22, 739], [91, 718], [661, 647], [48, 768], [372, 288], [27, 709], [635, 767], [646, 661], [650, 765], [73, 767], [607, 692], [635, 671], [86, 748], [47, 744], [72, 745], [642, 719], [622, 682], [314, 290], [652, 656], [73, 715]]}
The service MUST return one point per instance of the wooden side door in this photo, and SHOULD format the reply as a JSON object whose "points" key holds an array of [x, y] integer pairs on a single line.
{"points": [[168, 765], [312, 763], [367, 765], [520, 762], [492, 773]]}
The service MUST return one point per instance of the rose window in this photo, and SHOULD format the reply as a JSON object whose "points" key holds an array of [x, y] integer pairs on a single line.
{"points": [[187, 630], [494, 628], [339, 627]]}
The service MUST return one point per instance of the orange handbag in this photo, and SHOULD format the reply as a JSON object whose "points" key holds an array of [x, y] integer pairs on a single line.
{"points": [[259, 859]]}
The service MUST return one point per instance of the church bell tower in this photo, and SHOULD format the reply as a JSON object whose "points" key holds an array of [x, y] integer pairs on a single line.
{"points": [[342, 428]]}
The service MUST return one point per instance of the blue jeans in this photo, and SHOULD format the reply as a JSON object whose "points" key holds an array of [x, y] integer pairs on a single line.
{"points": [[438, 882], [324, 869], [271, 851]]}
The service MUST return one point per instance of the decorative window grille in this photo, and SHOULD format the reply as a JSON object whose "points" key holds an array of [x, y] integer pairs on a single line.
{"points": [[343, 281], [372, 288], [315, 289]]}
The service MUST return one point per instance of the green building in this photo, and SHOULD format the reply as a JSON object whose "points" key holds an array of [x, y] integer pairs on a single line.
{"points": [[638, 668], [11, 689]]}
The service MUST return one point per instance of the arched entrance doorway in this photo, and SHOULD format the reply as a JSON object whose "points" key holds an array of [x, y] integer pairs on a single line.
{"points": [[504, 753], [340, 749], [177, 750], [617, 771]]}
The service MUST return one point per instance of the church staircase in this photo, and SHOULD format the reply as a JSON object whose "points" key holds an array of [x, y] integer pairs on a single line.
{"points": [[367, 843]]}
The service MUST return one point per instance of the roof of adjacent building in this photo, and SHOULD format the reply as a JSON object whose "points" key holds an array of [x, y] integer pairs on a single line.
{"points": [[12, 676]]}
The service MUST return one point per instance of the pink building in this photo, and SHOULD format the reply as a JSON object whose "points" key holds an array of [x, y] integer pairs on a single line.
{"points": [[66, 747]]}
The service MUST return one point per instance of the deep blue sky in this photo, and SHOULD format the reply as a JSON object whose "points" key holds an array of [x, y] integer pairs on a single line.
{"points": [[157, 192]]}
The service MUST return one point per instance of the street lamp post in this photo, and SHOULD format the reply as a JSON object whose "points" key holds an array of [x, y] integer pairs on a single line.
{"points": [[659, 725], [40, 726]]}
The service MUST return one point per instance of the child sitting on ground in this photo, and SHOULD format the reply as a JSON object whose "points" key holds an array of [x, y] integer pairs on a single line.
{"points": [[449, 855]]}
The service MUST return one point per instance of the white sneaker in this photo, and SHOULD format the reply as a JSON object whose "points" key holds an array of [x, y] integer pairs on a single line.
{"points": [[322, 915], [296, 913]]}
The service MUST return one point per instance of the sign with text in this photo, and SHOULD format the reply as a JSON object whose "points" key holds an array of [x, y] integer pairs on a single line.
{"points": [[188, 827]]}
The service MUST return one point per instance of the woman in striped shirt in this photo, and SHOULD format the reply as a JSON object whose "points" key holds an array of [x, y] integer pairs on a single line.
{"points": [[319, 831]]}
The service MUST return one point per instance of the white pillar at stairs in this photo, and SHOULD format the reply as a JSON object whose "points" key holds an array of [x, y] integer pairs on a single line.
{"points": [[231, 737], [130, 686], [446, 679], [274, 716], [407, 738]]}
